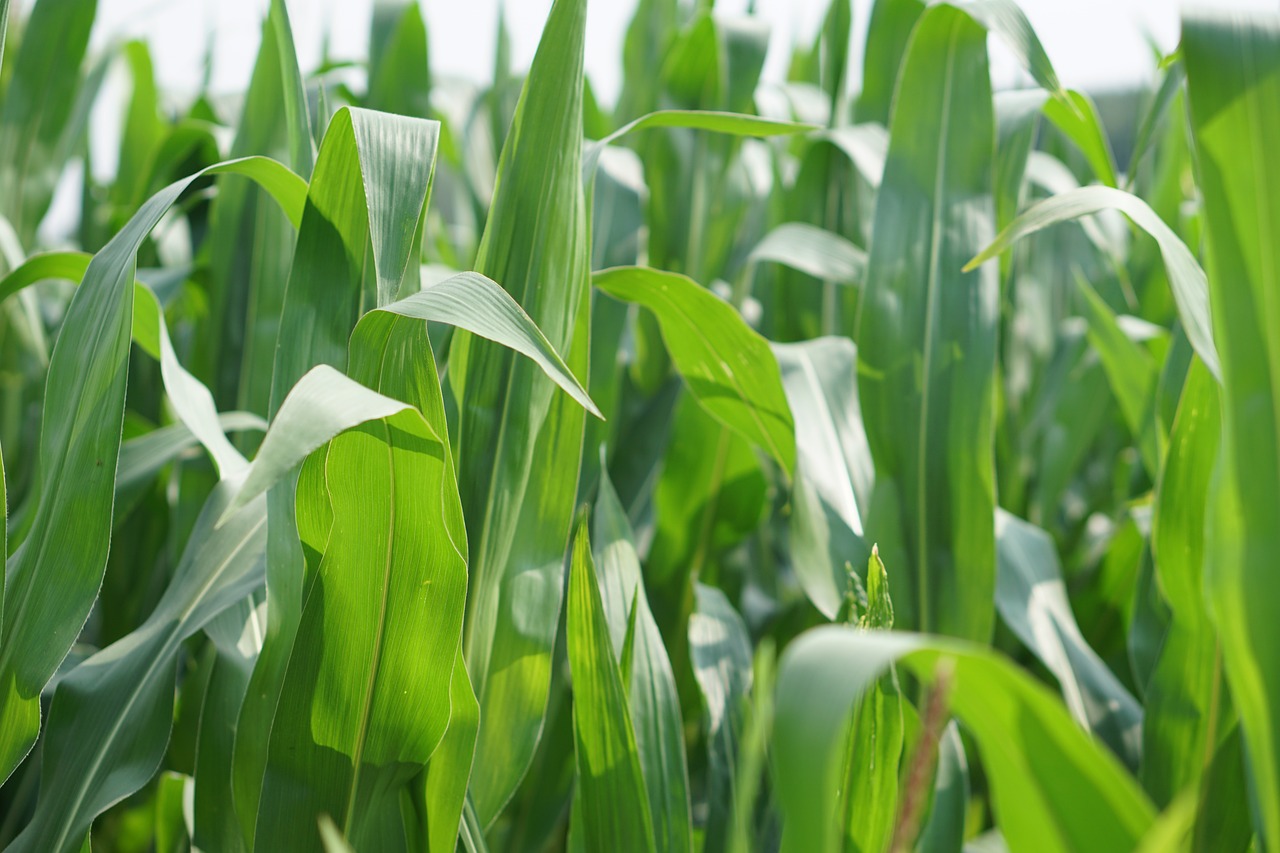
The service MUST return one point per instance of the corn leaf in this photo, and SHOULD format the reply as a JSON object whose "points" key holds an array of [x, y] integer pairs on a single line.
{"points": [[726, 366], [1233, 81], [927, 332], [613, 802], [331, 282], [1180, 697], [653, 701], [1032, 600], [834, 473], [41, 116], [1186, 278], [720, 652], [53, 575], [813, 251], [250, 245], [365, 699], [1063, 793], [536, 243]]}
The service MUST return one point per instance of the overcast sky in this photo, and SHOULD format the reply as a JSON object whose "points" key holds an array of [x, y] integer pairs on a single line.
{"points": [[1093, 43]]}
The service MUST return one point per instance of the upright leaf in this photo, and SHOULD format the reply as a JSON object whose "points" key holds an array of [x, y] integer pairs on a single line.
{"points": [[612, 799], [720, 651], [250, 245], [1185, 698], [653, 701], [536, 243], [1233, 80], [352, 205], [40, 109], [927, 331]]}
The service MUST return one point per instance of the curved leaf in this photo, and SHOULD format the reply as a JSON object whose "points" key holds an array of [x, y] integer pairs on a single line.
{"points": [[727, 366], [834, 471], [1053, 789], [1186, 278], [54, 574], [1032, 600], [813, 251]]}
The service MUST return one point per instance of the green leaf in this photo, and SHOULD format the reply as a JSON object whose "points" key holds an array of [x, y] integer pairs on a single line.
{"points": [[834, 472], [399, 74], [365, 698], [927, 332], [111, 716], [1053, 789], [727, 366], [368, 191], [114, 711], [710, 496], [1032, 600], [944, 831], [479, 305], [53, 576], [41, 120], [715, 121], [612, 798], [720, 651], [887, 34], [449, 770], [250, 245], [651, 686], [1180, 698], [813, 251], [1233, 82], [1077, 117], [321, 405], [536, 243], [1186, 278], [1132, 372]]}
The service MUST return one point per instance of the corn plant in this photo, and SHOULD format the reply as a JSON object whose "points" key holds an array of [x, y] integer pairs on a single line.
{"points": [[392, 462]]}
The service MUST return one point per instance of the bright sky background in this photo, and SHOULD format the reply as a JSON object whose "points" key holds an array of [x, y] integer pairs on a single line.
{"points": [[1093, 43]]}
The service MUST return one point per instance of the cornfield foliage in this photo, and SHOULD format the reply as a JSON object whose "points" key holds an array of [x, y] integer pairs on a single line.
{"points": [[397, 464]]}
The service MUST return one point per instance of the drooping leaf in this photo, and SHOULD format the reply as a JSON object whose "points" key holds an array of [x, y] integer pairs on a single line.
{"points": [[814, 251], [834, 473], [53, 575], [726, 366], [1052, 787], [1032, 600], [1186, 278]]}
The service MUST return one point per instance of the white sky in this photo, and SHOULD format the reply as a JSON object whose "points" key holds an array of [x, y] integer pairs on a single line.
{"points": [[1093, 43]]}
